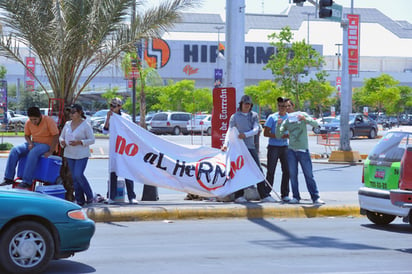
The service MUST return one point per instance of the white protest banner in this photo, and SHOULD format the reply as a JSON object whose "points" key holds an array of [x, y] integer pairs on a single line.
{"points": [[143, 157]]}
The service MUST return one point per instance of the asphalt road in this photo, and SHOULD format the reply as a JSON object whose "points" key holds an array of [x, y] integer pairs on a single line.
{"points": [[317, 245]]}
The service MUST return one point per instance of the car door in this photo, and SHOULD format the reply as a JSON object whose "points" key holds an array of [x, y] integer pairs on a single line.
{"points": [[362, 126]]}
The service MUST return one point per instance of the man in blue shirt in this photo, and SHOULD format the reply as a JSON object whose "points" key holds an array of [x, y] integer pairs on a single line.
{"points": [[277, 150]]}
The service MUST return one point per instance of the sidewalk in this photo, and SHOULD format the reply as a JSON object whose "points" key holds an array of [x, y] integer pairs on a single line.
{"points": [[172, 206]]}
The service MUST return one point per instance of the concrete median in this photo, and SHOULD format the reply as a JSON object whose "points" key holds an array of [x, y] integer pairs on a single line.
{"points": [[145, 212]]}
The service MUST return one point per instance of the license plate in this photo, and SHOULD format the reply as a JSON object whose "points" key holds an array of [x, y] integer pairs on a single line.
{"points": [[380, 174]]}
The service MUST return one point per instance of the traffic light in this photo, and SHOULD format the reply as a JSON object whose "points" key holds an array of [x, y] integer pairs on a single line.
{"points": [[323, 11], [298, 2]]}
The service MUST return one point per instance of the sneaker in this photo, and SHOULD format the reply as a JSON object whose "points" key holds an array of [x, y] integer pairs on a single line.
{"points": [[109, 201], [133, 201], [23, 186], [240, 200], [318, 202], [293, 201], [286, 199], [7, 182], [268, 199]]}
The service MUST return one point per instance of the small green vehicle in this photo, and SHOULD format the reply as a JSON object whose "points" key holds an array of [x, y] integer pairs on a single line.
{"points": [[381, 174]]}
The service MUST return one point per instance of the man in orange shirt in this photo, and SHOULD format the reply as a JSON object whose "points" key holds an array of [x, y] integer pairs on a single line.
{"points": [[42, 136]]}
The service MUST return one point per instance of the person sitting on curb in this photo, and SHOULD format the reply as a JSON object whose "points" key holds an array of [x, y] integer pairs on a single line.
{"points": [[42, 136]]}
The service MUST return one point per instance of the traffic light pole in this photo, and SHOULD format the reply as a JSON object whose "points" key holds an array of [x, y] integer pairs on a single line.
{"points": [[345, 153]]}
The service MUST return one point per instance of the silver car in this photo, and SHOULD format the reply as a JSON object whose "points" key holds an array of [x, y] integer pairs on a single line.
{"points": [[170, 123]]}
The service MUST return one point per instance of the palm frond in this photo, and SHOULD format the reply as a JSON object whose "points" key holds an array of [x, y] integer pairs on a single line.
{"points": [[72, 36]]}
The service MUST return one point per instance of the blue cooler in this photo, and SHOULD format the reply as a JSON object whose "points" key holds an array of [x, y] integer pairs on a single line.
{"points": [[52, 190], [47, 169]]}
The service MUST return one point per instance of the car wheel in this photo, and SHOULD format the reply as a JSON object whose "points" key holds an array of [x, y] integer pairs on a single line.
{"points": [[316, 130], [176, 131], [26, 247], [380, 218], [351, 134], [209, 131], [372, 134]]}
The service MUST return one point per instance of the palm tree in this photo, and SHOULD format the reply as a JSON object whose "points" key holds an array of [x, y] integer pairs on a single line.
{"points": [[72, 38]]}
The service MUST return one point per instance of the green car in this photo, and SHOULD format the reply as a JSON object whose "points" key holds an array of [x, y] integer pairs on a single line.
{"points": [[36, 228], [381, 172]]}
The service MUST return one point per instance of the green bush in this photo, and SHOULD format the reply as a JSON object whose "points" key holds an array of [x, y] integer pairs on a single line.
{"points": [[6, 146]]}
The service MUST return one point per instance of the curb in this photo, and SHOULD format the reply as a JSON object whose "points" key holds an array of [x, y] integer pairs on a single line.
{"points": [[254, 211]]}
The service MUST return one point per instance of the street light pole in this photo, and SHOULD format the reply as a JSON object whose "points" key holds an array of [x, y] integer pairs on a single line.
{"points": [[338, 55], [218, 72], [308, 14], [134, 92], [218, 42]]}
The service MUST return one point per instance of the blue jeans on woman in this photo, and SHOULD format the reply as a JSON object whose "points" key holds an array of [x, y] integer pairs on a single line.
{"points": [[80, 183], [33, 155], [295, 157]]}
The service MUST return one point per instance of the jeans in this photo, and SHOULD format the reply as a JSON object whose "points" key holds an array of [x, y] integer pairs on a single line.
{"points": [[113, 187], [32, 155], [295, 157], [260, 186], [80, 183], [275, 153]]}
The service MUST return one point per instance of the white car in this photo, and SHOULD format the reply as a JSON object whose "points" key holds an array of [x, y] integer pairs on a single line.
{"points": [[201, 123]]}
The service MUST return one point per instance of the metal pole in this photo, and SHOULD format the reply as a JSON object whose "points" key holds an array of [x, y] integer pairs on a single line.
{"points": [[339, 55], [308, 14], [134, 98], [346, 93], [235, 50], [218, 44], [133, 19]]}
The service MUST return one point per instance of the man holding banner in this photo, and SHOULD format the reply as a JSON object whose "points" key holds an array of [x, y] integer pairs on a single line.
{"points": [[247, 123], [115, 108]]}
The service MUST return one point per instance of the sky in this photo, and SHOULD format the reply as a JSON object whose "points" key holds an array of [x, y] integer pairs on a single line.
{"points": [[395, 9]]}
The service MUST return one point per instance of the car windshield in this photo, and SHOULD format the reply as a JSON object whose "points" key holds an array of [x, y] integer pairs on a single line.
{"points": [[199, 116], [337, 119], [391, 147]]}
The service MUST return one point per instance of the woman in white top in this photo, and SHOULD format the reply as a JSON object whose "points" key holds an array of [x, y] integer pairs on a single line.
{"points": [[76, 138]]}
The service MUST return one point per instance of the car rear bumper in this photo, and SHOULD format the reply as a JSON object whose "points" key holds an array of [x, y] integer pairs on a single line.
{"points": [[378, 200], [401, 198], [161, 130]]}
